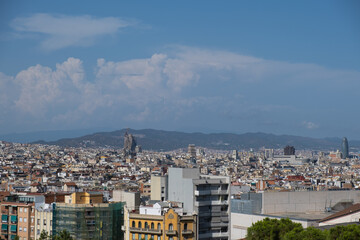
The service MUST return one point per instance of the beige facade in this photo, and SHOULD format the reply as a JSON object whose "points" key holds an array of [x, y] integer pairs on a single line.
{"points": [[158, 188], [43, 219]]}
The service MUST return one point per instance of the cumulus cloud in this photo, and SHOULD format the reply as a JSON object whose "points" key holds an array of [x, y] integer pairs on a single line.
{"points": [[181, 86], [62, 31]]}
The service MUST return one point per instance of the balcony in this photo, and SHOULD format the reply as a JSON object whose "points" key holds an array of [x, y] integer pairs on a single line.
{"points": [[171, 232], [186, 232], [145, 230], [211, 192], [214, 202]]}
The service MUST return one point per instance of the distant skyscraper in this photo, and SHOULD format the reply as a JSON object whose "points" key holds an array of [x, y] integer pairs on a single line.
{"points": [[345, 148], [289, 150]]}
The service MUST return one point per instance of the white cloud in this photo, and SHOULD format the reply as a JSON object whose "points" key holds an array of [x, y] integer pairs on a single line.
{"points": [[310, 125], [62, 31], [180, 85]]}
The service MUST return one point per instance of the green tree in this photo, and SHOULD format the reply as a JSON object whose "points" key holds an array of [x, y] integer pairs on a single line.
{"points": [[16, 237], [44, 235], [309, 233], [349, 232], [63, 235], [271, 229]]}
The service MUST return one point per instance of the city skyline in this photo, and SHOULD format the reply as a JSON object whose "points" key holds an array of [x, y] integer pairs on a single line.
{"points": [[282, 68]]}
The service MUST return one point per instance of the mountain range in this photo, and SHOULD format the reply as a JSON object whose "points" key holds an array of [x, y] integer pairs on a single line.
{"points": [[159, 140]]}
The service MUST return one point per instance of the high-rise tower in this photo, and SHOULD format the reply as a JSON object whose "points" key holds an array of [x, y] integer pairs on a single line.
{"points": [[345, 148]]}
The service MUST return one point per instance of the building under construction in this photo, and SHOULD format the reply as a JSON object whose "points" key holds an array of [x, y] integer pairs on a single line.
{"points": [[100, 221]]}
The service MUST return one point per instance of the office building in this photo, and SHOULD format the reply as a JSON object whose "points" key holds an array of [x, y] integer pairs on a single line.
{"points": [[345, 148], [289, 150]]}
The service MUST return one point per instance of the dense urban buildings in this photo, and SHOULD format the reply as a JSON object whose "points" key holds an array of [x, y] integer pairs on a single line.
{"points": [[106, 193]]}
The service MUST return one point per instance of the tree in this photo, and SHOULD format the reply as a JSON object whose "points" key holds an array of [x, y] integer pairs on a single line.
{"points": [[309, 233], [63, 235], [271, 229], [44, 235], [349, 232]]}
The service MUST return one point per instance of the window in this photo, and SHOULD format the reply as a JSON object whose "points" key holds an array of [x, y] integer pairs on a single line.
{"points": [[38, 222], [25, 229], [20, 219], [32, 220], [152, 225], [21, 209], [44, 222], [38, 231], [32, 229], [20, 229], [133, 224], [25, 219], [50, 222], [159, 226], [185, 226], [25, 209], [139, 225], [133, 236], [171, 227], [146, 225]]}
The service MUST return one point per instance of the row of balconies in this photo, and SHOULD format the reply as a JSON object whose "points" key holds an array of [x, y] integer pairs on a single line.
{"points": [[213, 235], [214, 202], [159, 231], [211, 192]]}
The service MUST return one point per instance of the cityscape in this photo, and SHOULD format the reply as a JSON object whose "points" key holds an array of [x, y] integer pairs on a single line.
{"points": [[234, 120]]}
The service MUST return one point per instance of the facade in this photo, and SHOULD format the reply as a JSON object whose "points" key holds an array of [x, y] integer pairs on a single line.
{"points": [[207, 196], [289, 150], [18, 216], [84, 198], [43, 219], [159, 187], [168, 225], [305, 207], [89, 221], [345, 148], [132, 199]]}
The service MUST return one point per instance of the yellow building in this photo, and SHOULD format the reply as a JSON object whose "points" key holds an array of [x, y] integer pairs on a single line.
{"points": [[168, 225], [84, 198]]}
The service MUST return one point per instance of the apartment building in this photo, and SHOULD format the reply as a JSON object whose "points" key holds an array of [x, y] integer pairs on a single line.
{"points": [[159, 223], [206, 195], [18, 216]]}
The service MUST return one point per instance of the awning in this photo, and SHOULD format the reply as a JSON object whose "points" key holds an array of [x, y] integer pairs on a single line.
{"points": [[4, 218], [13, 228], [13, 218], [4, 227]]}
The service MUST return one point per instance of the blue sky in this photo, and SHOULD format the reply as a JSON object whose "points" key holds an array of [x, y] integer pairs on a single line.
{"points": [[280, 67]]}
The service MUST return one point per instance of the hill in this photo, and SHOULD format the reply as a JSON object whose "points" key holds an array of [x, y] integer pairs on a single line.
{"points": [[158, 140]]}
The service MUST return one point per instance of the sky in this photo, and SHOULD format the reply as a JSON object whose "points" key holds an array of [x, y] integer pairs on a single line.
{"points": [[281, 67]]}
